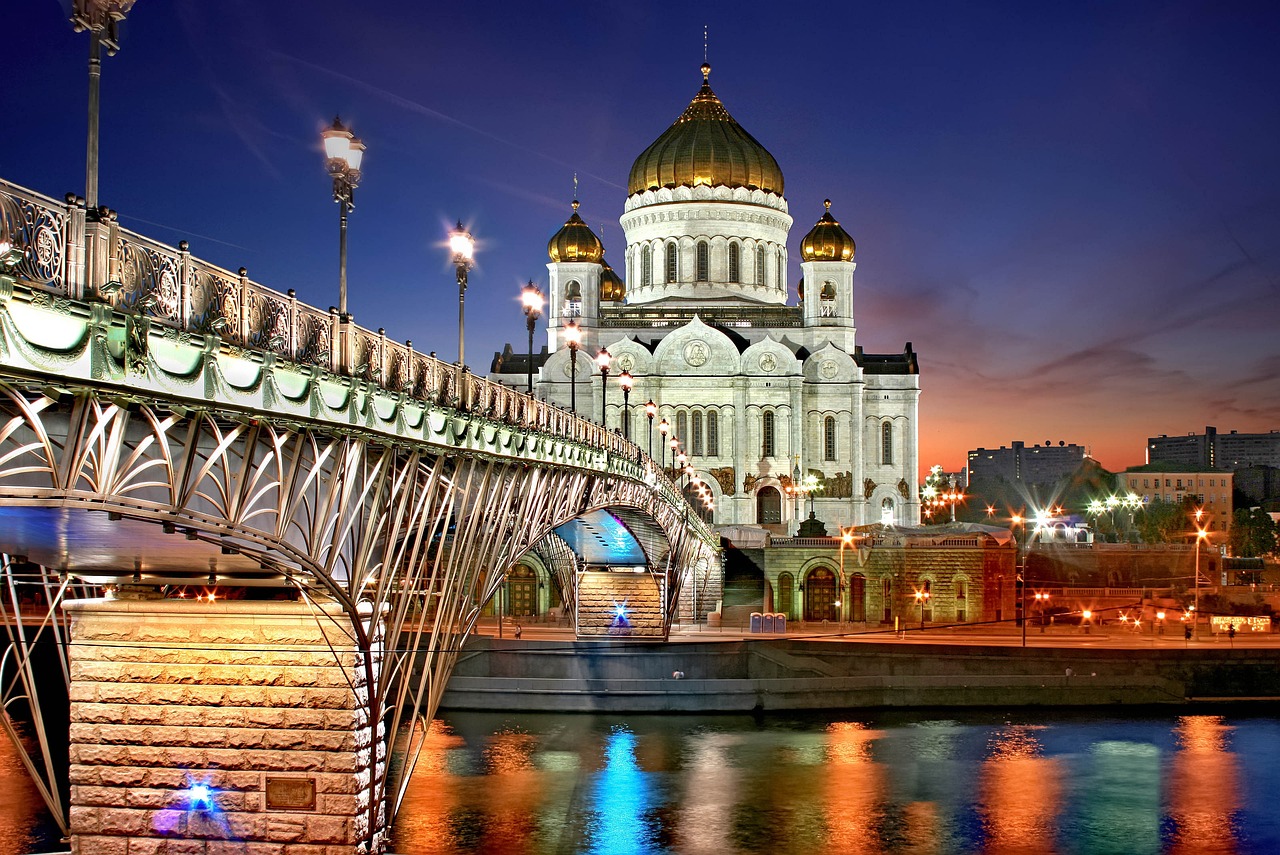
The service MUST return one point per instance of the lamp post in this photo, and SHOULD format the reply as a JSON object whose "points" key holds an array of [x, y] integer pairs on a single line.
{"points": [[664, 428], [846, 539], [343, 155], [922, 597], [102, 19], [650, 410], [626, 381], [1201, 534], [674, 442], [533, 302], [463, 247], [604, 360], [573, 338]]}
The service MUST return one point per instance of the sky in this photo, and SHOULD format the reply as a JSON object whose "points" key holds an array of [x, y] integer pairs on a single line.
{"points": [[1072, 211]]}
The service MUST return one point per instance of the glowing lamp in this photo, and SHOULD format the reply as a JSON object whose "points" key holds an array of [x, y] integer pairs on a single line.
{"points": [[199, 797]]}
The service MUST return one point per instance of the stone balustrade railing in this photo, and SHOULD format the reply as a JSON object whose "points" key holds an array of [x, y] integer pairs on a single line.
{"points": [[86, 255]]}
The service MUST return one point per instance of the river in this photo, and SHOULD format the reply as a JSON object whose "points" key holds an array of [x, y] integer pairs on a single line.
{"points": [[1021, 782]]}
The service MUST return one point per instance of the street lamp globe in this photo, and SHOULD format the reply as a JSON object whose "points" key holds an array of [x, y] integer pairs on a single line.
{"points": [[463, 247], [533, 303]]}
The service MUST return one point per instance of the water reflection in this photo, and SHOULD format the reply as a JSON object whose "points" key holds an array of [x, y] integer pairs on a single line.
{"points": [[1203, 787], [1019, 793], [977, 785]]}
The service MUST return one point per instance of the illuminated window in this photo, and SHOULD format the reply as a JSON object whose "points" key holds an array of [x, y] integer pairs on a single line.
{"points": [[672, 269], [829, 438], [701, 261], [886, 444], [646, 266], [735, 261], [759, 265], [766, 433], [713, 434]]}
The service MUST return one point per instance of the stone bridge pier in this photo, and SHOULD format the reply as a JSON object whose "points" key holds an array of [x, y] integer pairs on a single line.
{"points": [[218, 727]]}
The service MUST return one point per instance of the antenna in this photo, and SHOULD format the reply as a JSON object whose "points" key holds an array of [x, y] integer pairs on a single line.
{"points": [[704, 43], [575, 185]]}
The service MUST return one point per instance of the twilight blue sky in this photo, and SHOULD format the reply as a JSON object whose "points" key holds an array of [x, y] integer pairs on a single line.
{"points": [[1071, 210]]}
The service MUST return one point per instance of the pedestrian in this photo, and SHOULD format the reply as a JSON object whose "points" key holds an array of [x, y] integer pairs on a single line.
{"points": [[1231, 632]]}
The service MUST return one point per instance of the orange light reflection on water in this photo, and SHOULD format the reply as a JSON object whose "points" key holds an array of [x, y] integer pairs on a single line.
{"points": [[1203, 787], [854, 796], [1020, 794]]}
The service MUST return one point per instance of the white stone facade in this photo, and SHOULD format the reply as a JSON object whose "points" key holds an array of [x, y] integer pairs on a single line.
{"points": [[757, 391]]}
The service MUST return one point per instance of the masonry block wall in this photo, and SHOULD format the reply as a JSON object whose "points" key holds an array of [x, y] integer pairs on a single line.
{"points": [[247, 698], [983, 573], [600, 594]]}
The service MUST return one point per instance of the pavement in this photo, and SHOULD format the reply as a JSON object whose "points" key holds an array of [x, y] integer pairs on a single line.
{"points": [[1004, 635]]}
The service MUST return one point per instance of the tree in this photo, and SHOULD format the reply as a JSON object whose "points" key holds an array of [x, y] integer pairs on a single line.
{"points": [[1166, 522], [1253, 533]]}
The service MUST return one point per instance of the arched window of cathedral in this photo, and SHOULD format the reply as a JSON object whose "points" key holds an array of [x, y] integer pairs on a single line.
{"points": [[572, 299], [886, 444], [682, 428], [646, 266], [886, 513], [760, 265], [829, 438], [784, 599], [735, 263], [702, 261], [778, 280], [695, 447], [713, 434], [828, 299], [766, 434], [673, 269]]}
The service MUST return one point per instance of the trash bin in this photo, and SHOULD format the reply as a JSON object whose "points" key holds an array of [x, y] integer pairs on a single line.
{"points": [[713, 620], [755, 621]]}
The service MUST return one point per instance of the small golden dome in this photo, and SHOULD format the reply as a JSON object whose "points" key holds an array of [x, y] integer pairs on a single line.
{"points": [[575, 241], [706, 147], [612, 288], [827, 241]]}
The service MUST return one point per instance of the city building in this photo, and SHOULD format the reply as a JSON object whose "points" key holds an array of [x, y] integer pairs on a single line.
{"points": [[1213, 450], [1211, 488], [778, 408], [1043, 465]]}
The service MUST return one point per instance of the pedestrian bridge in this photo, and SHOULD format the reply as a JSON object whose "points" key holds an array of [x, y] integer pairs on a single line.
{"points": [[170, 429]]}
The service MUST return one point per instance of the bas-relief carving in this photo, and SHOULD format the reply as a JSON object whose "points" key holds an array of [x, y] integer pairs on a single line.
{"points": [[868, 487], [839, 486], [904, 488], [726, 478], [751, 481]]}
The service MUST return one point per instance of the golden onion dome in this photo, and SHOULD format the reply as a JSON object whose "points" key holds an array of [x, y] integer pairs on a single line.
{"points": [[827, 241], [706, 147], [575, 241], [612, 288]]}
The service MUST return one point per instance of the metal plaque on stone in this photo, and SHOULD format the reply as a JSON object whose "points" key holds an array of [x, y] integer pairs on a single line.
{"points": [[291, 794]]}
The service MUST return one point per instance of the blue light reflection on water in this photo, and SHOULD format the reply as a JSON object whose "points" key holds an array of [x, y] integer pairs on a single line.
{"points": [[980, 783]]}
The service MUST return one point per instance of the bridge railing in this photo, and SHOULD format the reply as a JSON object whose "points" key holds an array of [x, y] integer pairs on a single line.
{"points": [[67, 252]]}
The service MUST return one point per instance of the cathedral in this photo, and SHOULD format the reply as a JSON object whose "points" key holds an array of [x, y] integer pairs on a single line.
{"points": [[776, 406]]}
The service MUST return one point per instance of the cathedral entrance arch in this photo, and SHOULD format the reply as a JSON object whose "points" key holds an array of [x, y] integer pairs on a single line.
{"points": [[522, 587], [707, 515], [820, 595], [768, 506]]}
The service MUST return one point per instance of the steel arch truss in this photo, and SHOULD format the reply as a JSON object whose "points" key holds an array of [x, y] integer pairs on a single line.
{"points": [[395, 529]]}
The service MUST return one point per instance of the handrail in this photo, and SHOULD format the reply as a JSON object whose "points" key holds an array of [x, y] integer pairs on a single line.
{"points": [[88, 256]]}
